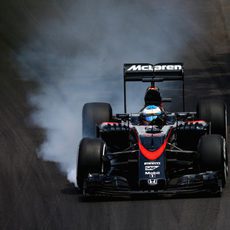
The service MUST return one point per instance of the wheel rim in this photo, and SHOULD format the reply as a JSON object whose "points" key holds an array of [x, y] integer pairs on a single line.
{"points": [[225, 165], [103, 154]]}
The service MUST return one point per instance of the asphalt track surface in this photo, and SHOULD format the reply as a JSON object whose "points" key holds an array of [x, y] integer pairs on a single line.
{"points": [[35, 195]]}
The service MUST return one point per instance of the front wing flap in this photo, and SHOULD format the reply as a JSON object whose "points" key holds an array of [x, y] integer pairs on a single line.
{"points": [[117, 186]]}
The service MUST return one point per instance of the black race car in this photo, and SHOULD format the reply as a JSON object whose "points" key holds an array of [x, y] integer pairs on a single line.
{"points": [[153, 151]]}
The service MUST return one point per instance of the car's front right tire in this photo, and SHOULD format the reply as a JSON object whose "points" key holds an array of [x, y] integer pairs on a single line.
{"points": [[90, 158]]}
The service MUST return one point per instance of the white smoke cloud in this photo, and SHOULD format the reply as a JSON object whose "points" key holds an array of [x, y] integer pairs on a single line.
{"points": [[77, 57]]}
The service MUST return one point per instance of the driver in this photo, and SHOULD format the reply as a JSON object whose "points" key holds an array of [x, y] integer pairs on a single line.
{"points": [[151, 115]]}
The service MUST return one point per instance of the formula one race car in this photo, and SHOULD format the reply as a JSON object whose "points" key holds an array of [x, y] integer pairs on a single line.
{"points": [[153, 151]]}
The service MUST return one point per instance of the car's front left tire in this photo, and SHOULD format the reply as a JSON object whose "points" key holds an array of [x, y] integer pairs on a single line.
{"points": [[212, 155]]}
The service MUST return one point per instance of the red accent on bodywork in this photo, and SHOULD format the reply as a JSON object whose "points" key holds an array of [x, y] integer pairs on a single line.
{"points": [[152, 88], [109, 123], [153, 155], [196, 121]]}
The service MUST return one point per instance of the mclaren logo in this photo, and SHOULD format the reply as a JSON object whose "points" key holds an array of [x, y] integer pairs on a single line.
{"points": [[140, 68], [156, 68], [167, 67]]}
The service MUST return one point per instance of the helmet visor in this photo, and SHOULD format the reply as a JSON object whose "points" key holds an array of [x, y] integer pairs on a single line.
{"points": [[150, 118]]}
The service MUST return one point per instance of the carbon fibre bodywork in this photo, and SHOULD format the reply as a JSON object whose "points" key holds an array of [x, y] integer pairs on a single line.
{"points": [[160, 157], [148, 160]]}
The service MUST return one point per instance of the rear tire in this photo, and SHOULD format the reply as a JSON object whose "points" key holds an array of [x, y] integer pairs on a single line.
{"points": [[89, 158], [212, 150], [92, 115], [215, 112]]}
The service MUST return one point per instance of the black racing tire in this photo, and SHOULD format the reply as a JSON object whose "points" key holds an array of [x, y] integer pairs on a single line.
{"points": [[89, 160], [92, 115], [212, 155], [214, 111]]}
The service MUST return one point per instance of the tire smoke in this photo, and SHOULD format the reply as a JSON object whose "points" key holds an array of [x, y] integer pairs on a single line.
{"points": [[77, 52]]}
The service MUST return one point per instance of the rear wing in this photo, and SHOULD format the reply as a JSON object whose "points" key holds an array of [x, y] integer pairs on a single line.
{"points": [[146, 72]]}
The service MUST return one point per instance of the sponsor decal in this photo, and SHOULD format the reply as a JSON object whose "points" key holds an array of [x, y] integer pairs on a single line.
{"points": [[151, 167], [152, 181], [156, 68], [152, 163], [152, 173]]}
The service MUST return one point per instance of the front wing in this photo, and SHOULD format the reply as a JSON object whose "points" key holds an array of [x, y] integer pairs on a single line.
{"points": [[117, 186]]}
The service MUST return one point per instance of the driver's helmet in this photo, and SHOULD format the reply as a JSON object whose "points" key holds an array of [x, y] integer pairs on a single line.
{"points": [[150, 113]]}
